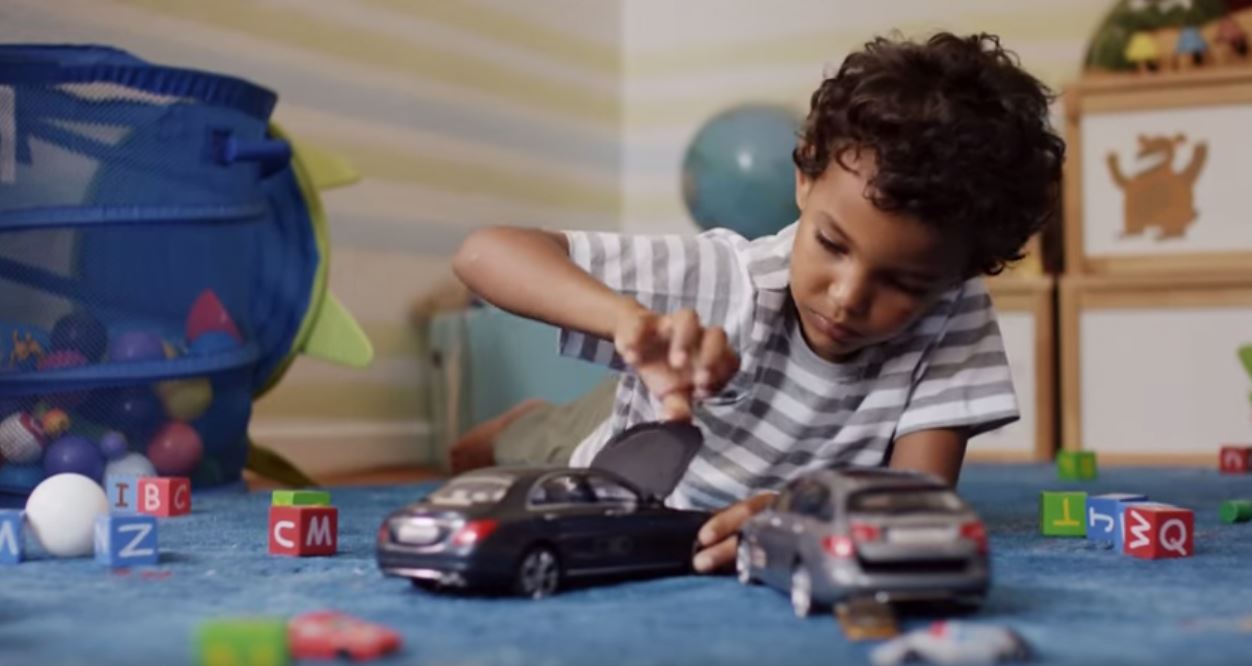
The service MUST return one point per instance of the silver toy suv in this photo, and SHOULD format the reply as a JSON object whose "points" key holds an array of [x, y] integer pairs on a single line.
{"points": [[892, 535]]}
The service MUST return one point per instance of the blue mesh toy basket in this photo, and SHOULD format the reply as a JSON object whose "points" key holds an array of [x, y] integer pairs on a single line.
{"points": [[162, 258]]}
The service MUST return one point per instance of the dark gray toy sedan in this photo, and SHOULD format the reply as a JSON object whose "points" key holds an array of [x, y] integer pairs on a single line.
{"points": [[533, 529], [833, 535]]}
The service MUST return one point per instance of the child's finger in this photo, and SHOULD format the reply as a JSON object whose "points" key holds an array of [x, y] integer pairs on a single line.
{"points": [[710, 366], [676, 404], [685, 336], [724, 523], [717, 557]]}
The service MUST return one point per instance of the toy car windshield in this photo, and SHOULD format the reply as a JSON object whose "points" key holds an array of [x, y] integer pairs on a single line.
{"points": [[477, 490], [900, 500]]}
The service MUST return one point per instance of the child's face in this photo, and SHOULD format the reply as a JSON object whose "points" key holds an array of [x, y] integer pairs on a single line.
{"points": [[860, 275]]}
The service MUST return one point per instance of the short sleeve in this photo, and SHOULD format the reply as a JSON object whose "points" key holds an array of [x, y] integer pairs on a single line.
{"points": [[964, 379], [665, 274]]}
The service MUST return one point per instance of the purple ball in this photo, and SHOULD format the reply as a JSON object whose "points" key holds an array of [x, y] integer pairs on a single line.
{"points": [[82, 333], [137, 346], [113, 445], [136, 412], [75, 455]]}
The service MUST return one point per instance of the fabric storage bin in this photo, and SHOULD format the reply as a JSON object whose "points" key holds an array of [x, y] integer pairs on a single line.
{"points": [[160, 262]]}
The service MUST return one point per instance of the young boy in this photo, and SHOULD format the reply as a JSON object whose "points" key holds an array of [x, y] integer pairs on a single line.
{"points": [[861, 334]]}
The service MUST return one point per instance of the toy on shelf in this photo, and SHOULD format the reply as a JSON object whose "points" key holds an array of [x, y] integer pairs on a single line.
{"points": [[1153, 36], [503, 527], [837, 534]]}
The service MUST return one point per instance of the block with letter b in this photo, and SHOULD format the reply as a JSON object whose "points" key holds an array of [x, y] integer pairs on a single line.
{"points": [[164, 496]]}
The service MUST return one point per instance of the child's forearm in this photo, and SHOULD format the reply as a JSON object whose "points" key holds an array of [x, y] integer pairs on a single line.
{"points": [[528, 272]]}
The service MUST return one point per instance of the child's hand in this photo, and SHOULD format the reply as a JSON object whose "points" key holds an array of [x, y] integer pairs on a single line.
{"points": [[676, 357], [719, 536]]}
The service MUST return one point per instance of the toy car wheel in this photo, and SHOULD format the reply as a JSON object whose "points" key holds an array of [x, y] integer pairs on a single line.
{"points": [[801, 591], [538, 574], [743, 562]]}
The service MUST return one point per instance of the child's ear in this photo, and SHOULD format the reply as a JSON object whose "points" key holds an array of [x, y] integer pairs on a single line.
{"points": [[803, 185]]}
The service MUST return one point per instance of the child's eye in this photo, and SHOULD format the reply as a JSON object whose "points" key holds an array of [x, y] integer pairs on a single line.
{"points": [[910, 288], [831, 246]]}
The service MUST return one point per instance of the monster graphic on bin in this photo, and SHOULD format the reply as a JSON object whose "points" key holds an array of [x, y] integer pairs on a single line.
{"points": [[1159, 196], [155, 281]]}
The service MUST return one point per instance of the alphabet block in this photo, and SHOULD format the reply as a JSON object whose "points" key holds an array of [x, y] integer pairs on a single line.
{"points": [[303, 530], [1063, 513], [126, 540], [1154, 530], [164, 496]]}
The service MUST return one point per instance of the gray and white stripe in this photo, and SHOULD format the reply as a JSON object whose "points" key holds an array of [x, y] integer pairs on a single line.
{"points": [[789, 411]]}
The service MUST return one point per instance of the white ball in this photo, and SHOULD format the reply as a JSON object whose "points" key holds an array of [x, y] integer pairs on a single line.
{"points": [[131, 463], [62, 512]]}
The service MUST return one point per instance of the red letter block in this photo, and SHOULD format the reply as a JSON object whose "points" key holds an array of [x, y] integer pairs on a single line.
{"points": [[304, 530], [1235, 459], [164, 496], [1154, 530]]}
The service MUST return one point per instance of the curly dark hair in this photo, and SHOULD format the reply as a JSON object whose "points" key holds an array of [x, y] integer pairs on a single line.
{"points": [[960, 134]]}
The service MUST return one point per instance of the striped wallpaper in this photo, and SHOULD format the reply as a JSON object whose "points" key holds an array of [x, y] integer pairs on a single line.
{"points": [[685, 61], [465, 113]]}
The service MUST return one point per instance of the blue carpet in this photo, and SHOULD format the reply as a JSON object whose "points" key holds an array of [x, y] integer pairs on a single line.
{"points": [[1074, 602]]}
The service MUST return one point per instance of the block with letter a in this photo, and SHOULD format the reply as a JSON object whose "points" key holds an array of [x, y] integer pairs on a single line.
{"points": [[1153, 530], [303, 530]]}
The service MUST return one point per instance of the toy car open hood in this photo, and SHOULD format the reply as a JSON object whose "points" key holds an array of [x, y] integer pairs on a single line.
{"points": [[653, 456]]}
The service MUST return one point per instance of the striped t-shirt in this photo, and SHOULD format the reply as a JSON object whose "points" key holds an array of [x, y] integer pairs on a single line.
{"points": [[788, 410]]}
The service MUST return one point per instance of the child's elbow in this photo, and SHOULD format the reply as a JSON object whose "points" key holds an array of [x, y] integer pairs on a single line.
{"points": [[469, 256]]}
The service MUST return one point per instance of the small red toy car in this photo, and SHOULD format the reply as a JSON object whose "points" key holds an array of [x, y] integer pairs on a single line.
{"points": [[330, 634]]}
